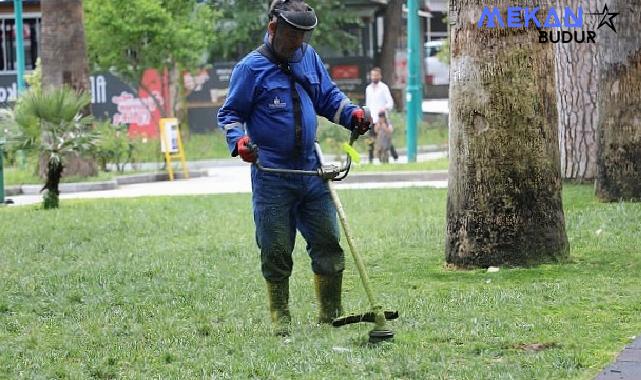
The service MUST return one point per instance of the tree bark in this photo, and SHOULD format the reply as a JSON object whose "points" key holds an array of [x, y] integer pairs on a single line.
{"points": [[577, 75], [619, 106], [504, 193], [63, 53], [51, 196], [64, 62], [392, 26]]}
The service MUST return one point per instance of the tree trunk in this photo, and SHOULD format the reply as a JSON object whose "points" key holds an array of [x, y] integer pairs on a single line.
{"points": [[577, 75], [392, 26], [64, 62], [63, 52], [51, 188], [504, 194], [619, 105]]}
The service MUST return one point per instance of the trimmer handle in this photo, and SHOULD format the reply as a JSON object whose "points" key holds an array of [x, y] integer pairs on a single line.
{"points": [[355, 135], [252, 147]]}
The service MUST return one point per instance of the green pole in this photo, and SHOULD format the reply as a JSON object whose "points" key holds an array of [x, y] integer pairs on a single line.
{"points": [[413, 96], [17, 10], [1, 174], [17, 6]]}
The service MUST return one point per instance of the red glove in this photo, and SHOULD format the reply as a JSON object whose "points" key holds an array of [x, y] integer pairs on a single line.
{"points": [[360, 121], [244, 151]]}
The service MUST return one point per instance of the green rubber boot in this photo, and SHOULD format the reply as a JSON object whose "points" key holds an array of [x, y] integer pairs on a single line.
{"points": [[278, 296], [328, 293]]}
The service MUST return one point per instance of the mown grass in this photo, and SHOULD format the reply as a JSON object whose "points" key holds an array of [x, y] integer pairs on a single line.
{"points": [[437, 164], [170, 288], [16, 176], [198, 146], [332, 136]]}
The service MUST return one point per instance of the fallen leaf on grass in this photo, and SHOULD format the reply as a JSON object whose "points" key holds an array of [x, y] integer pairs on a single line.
{"points": [[535, 347]]}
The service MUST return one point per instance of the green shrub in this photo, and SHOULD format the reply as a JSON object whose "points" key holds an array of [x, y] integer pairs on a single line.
{"points": [[53, 121], [114, 146]]}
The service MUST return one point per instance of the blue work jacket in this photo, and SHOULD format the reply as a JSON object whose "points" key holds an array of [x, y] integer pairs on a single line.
{"points": [[259, 101]]}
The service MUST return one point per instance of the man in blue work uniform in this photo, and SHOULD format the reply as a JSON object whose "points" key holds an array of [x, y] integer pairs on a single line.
{"points": [[274, 96]]}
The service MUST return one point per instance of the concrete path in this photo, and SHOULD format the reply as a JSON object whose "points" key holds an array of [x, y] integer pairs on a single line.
{"points": [[234, 177], [627, 365]]}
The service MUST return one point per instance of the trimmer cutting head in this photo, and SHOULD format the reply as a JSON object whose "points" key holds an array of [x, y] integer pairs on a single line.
{"points": [[377, 336], [369, 316], [380, 333]]}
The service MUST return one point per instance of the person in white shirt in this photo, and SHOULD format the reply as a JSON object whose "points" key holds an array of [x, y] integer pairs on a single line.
{"points": [[379, 99]]}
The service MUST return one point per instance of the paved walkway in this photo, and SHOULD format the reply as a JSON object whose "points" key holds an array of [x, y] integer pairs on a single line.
{"points": [[233, 176], [627, 365]]}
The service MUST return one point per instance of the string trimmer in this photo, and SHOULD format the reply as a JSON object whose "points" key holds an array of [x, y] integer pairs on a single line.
{"points": [[331, 173]]}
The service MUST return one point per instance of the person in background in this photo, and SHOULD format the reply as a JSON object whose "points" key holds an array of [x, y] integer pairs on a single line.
{"points": [[379, 99], [383, 138]]}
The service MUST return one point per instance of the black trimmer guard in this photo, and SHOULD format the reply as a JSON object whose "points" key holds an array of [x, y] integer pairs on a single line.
{"points": [[366, 317]]}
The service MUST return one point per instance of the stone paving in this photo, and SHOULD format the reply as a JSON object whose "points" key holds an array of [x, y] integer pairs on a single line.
{"points": [[627, 365]]}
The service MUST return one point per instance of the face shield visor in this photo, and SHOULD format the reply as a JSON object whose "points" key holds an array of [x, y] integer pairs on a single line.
{"points": [[293, 32]]}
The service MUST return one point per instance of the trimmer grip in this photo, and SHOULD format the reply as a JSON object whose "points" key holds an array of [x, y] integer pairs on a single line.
{"points": [[353, 136], [252, 147]]}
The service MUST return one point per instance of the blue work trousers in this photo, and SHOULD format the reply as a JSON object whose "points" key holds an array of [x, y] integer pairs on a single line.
{"points": [[285, 202]]}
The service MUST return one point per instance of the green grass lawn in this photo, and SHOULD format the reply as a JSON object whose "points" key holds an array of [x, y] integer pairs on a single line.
{"points": [[15, 176], [170, 288], [437, 164], [203, 146], [332, 136]]}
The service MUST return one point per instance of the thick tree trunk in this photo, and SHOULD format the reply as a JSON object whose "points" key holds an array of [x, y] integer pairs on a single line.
{"points": [[63, 53], [504, 193], [577, 76], [619, 105], [64, 62], [392, 21]]}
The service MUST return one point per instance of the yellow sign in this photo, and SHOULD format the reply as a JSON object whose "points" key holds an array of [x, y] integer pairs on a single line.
{"points": [[171, 145]]}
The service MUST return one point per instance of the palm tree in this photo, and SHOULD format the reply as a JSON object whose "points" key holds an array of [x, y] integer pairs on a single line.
{"points": [[52, 120]]}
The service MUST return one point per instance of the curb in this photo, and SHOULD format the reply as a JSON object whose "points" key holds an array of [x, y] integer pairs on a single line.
{"points": [[76, 187], [73, 187], [10, 191], [157, 177]]}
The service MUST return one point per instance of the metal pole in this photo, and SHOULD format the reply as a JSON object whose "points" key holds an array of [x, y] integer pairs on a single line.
{"points": [[17, 10], [414, 96], [17, 6], [1, 174]]}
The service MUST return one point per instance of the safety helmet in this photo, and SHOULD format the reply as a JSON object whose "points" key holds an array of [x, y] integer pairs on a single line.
{"points": [[293, 29]]}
